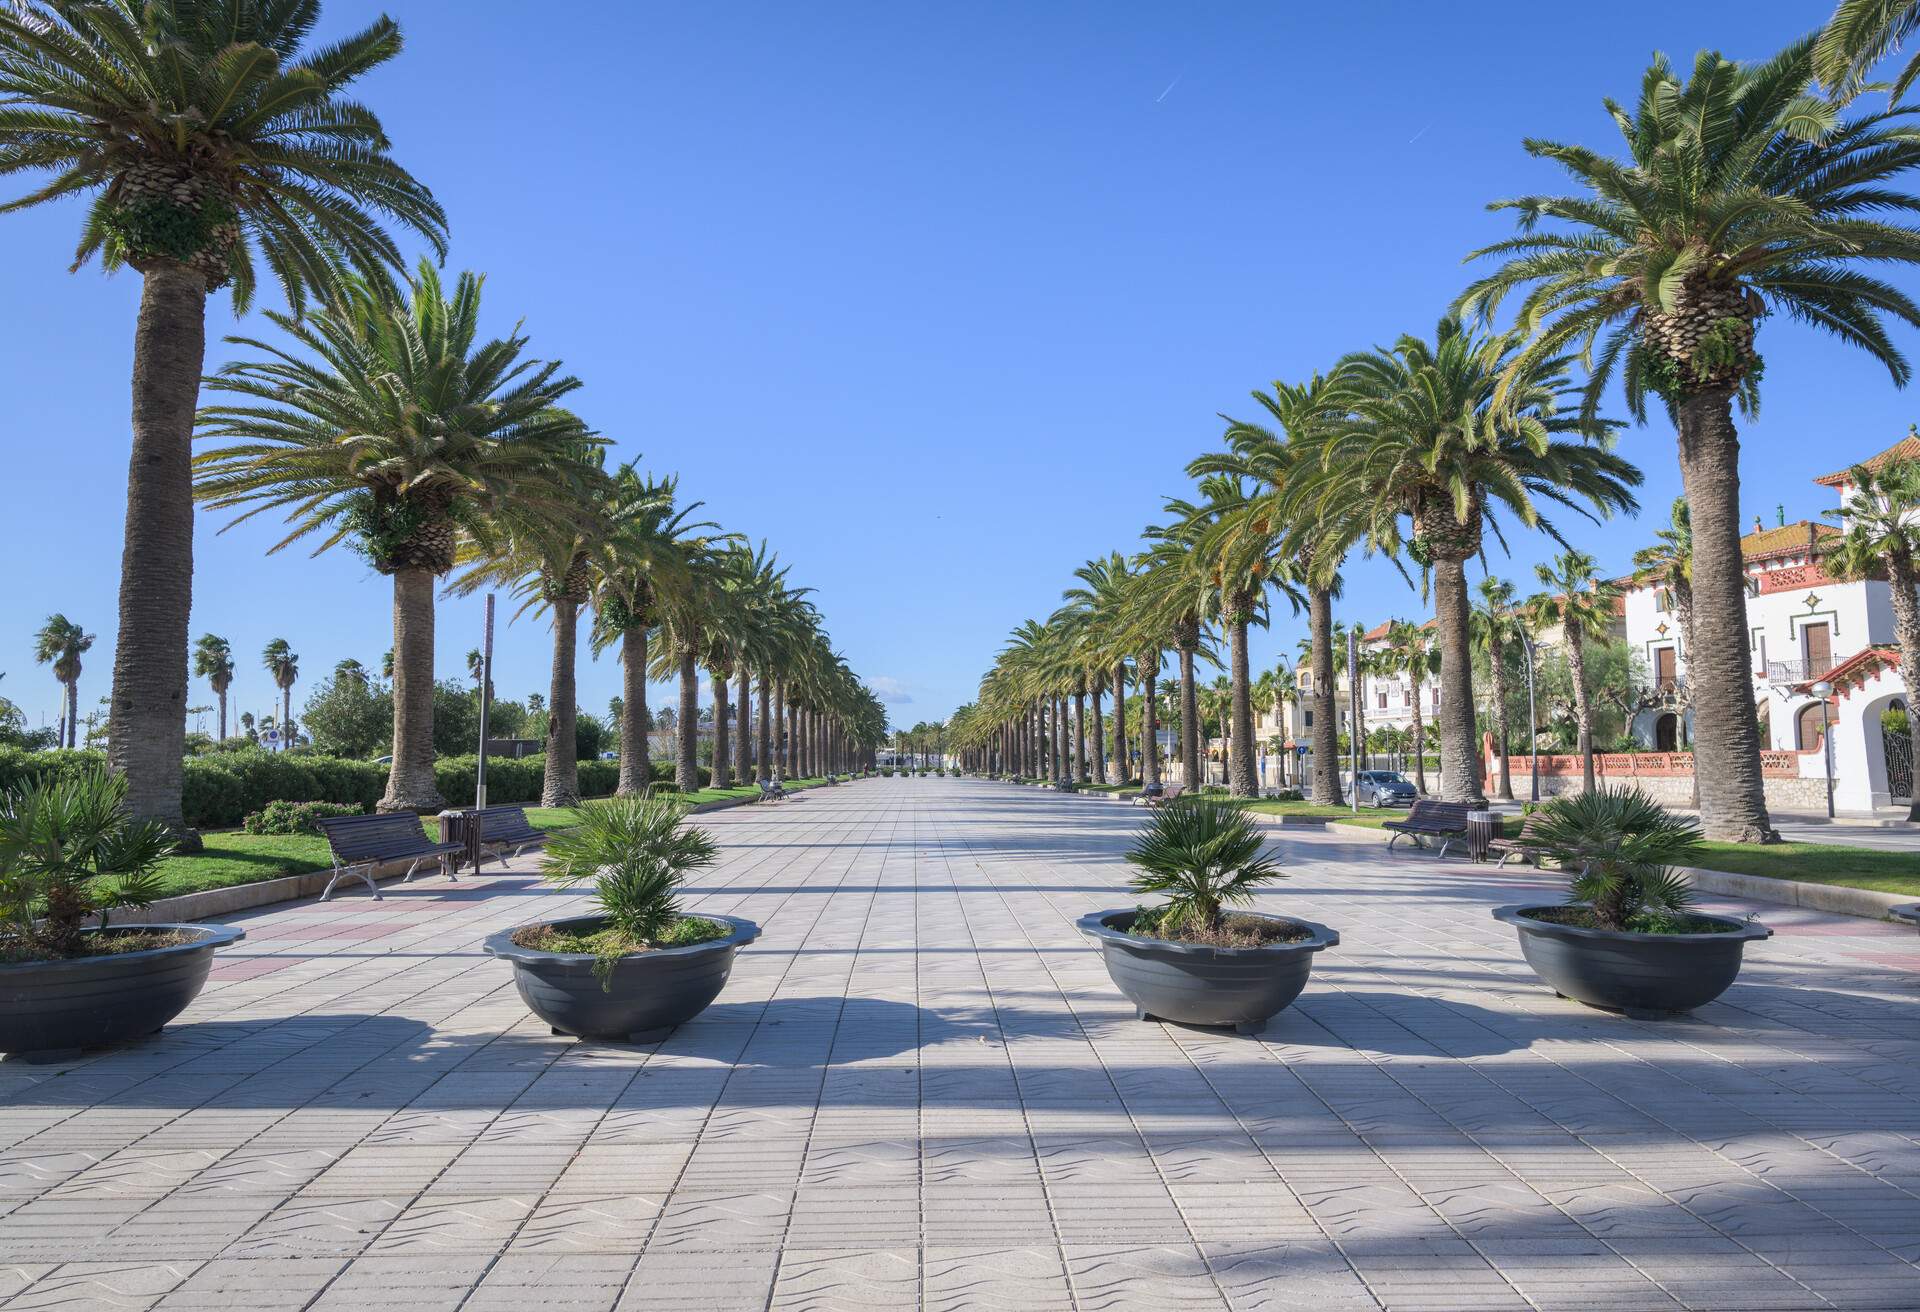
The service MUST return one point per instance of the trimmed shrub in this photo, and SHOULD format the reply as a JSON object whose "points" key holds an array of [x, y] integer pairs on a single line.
{"points": [[512, 781], [220, 791], [295, 817]]}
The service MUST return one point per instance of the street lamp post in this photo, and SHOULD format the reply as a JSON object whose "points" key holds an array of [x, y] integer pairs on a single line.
{"points": [[1533, 718], [1824, 690]]}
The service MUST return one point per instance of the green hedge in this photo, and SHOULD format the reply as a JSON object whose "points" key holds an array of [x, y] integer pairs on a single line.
{"points": [[220, 790]]}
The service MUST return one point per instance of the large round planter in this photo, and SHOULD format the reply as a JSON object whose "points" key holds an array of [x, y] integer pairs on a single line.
{"points": [[1195, 985], [1640, 974], [90, 1002], [649, 993]]}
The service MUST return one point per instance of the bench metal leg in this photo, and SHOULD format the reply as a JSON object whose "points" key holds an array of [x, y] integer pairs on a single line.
{"points": [[340, 871]]}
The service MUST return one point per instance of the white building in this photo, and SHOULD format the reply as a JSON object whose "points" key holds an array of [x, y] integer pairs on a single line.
{"points": [[1804, 626]]}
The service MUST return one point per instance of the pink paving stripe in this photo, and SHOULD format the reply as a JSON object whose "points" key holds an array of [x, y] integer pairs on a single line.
{"points": [[249, 967]]}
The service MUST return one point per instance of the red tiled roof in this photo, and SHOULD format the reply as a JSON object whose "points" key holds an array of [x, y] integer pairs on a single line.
{"points": [[1795, 539], [1907, 448]]}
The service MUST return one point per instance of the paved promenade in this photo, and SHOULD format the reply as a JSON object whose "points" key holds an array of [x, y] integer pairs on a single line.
{"points": [[921, 1090]]}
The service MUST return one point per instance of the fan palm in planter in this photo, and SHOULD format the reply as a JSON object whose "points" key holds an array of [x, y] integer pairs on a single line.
{"points": [[641, 966], [1628, 940], [1191, 959], [69, 850]]}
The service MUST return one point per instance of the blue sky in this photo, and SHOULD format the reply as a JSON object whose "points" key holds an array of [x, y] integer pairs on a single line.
{"points": [[938, 299]]}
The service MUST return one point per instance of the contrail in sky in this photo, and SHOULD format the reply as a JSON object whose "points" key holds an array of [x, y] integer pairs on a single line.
{"points": [[1421, 133], [1170, 86]]}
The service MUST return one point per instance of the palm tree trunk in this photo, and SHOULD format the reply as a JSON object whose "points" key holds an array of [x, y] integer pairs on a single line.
{"points": [[764, 765], [410, 782], [1149, 731], [1326, 738], [560, 784], [1496, 665], [1582, 712], [1189, 721], [686, 770], [1459, 754], [73, 709], [1080, 734], [1733, 801], [147, 718], [636, 771], [1099, 740], [1122, 767], [1906, 631], [1240, 737], [722, 750], [743, 720]]}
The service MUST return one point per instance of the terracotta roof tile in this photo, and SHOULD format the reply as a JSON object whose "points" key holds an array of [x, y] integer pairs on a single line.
{"points": [[1787, 539], [1907, 448]]}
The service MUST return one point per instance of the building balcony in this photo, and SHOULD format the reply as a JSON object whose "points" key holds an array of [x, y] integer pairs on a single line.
{"points": [[1797, 671]]}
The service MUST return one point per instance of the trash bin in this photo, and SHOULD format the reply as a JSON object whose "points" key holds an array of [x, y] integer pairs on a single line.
{"points": [[1481, 826]]}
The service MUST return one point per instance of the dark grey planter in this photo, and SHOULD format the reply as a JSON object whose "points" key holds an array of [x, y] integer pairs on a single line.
{"points": [[1643, 975], [1194, 985], [90, 1002], [650, 993]]}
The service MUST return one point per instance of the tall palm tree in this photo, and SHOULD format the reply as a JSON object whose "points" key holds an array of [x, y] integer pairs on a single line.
{"points": [[1668, 564], [389, 424], [1880, 522], [1429, 442], [203, 135], [60, 643], [545, 555], [1742, 193], [213, 661], [655, 545], [1494, 630], [1582, 605], [282, 664], [1410, 652]]}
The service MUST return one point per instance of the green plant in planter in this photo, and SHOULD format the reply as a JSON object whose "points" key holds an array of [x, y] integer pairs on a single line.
{"points": [[1202, 856], [637, 853], [69, 849], [1623, 844]]}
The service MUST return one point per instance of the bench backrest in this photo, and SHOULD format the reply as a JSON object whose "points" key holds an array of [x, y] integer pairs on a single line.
{"points": [[371, 837], [1426, 811], [497, 820], [1172, 791]]}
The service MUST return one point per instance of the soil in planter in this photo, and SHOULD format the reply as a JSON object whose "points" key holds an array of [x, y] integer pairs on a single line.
{"points": [[1235, 931], [1647, 922], [685, 932], [104, 943]]}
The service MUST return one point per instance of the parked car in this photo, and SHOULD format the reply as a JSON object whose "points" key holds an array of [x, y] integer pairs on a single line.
{"points": [[1383, 788]]}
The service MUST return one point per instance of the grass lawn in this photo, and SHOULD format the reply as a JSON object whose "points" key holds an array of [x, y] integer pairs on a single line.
{"points": [[1882, 870], [231, 857]]}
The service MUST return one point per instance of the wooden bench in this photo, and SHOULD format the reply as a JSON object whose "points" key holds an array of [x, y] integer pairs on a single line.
{"points": [[1161, 798], [772, 790], [359, 843], [1446, 821], [1526, 846], [502, 830]]}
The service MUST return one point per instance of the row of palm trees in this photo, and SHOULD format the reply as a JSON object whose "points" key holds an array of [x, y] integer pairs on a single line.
{"points": [[1741, 190], [463, 461], [212, 138]]}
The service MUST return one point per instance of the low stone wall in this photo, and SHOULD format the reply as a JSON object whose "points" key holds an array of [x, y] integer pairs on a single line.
{"points": [[1677, 790]]}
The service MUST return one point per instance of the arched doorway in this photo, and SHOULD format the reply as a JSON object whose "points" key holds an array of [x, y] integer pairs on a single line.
{"points": [[1666, 733], [1807, 726]]}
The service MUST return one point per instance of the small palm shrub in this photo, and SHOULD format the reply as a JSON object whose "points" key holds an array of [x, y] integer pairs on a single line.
{"points": [[69, 849], [296, 817], [1622, 845], [637, 853], [1202, 856]]}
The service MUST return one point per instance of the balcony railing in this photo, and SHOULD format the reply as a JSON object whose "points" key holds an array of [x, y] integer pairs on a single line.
{"points": [[1786, 671]]}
